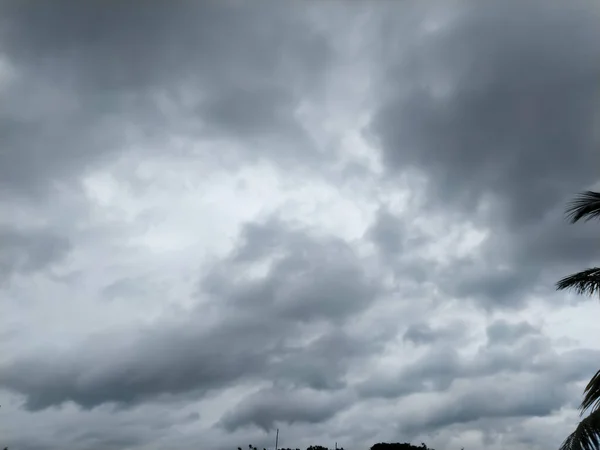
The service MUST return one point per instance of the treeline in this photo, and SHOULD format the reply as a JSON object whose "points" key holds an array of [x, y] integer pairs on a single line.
{"points": [[399, 446], [312, 447], [379, 446]]}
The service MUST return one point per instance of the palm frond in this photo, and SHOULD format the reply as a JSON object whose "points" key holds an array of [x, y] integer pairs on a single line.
{"points": [[591, 394], [585, 206], [584, 282], [586, 436]]}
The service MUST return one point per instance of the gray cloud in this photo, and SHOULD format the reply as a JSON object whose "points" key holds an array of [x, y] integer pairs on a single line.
{"points": [[536, 398], [313, 279], [388, 233], [504, 332], [265, 408], [357, 318], [435, 371], [528, 94], [504, 127], [139, 366], [323, 364], [223, 70], [123, 288], [107, 429], [26, 251], [441, 366], [423, 334], [118, 439]]}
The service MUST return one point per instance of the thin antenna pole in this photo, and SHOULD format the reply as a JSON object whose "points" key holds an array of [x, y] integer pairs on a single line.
{"points": [[277, 439]]}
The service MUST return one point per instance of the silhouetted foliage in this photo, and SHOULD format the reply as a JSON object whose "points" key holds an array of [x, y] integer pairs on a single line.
{"points": [[379, 446], [399, 446], [255, 448], [586, 436], [312, 447], [585, 206]]}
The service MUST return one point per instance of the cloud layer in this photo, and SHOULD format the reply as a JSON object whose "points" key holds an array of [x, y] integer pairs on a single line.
{"points": [[343, 221]]}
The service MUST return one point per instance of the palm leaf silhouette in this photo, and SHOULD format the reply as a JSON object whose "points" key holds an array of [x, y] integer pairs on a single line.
{"points": [[586, 436], [591, 395], [585, 282], [585, 206]]}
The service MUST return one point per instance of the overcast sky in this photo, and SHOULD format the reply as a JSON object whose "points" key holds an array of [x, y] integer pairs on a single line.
{"points": [[342, 220]]}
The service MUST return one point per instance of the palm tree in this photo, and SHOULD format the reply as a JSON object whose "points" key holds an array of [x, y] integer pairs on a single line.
{"points": [[586, 436]]}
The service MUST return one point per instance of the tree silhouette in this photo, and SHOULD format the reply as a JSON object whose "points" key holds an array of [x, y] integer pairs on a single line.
{"points": [[585, 206], [398, 446], [312, 447], [379, 446]]}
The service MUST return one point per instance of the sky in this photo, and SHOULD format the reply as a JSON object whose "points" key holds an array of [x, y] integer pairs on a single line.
{"points": [[340, 219]]}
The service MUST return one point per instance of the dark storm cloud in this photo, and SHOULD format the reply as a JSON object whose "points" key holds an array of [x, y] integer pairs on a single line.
{"points": [[525, 353], [517, 262], [25, 251], [399, 243], [492, 287], [388, 233], [87, 432], [139, 366], [322, 364], [31, 443], [392, 235], [124, 288], [436, 370], [93, 76], [532, 398], [253, 335], [267, 407], [423, 334], [524, 380], [116, 439], [499, 108], [519, 118], [121, 45], [311, 278], [506, 333]]}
